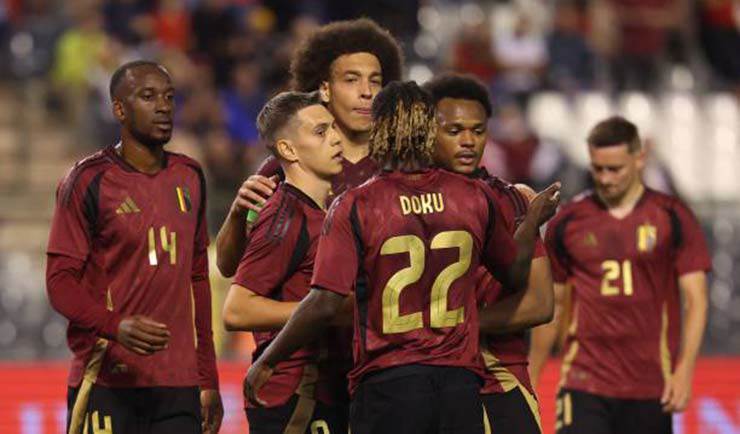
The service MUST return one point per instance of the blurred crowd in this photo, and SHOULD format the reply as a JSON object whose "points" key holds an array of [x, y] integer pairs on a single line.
{"points": [[228, 56]]}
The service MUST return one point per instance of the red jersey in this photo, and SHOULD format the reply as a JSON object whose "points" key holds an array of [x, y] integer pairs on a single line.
{"points": [[409, 246], [278, 264], [504, 356], [625, 329], [136, 243]]}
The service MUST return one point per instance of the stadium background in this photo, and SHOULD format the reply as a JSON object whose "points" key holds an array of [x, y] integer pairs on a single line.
{"points": [[554, 68]]}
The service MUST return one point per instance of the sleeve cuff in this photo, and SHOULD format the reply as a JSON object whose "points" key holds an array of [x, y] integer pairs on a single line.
{"points": [[110, 328]]}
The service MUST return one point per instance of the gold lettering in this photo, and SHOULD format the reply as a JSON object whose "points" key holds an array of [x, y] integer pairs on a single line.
{"points": [[426, 203], [439, 204], [415, 204], [405, 205]]}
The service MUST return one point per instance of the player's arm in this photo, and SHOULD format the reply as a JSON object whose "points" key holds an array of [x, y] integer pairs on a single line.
{"points": [[516, 276], [545, 337], [311, 318], [212, 410], [677, 392], [245, 310], [233, 237], [692, 261], [523, 309]]}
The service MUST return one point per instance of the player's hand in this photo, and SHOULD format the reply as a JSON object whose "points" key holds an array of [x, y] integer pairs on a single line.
{"points": [[142, 335], [544, 205], [211, 411], [253, 193], [677, 391], [257, 376]]}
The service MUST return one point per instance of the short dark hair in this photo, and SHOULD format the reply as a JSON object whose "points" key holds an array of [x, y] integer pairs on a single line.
{"points": [[118, 75], [311, 64], [404, 126], [614, 131], [279, 110], [459, 86]]}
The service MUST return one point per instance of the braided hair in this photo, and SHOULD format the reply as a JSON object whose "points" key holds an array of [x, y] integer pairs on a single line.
{"points": [[404, 127]]}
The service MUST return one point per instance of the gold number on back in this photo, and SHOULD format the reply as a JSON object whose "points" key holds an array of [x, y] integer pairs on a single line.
{"points": [[612, 271], [440, 316], [393, 321]]}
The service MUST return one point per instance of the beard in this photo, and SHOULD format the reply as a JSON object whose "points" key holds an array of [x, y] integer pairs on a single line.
{"points": [[145, 139]]}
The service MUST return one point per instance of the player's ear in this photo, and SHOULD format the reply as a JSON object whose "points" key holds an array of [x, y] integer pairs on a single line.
{"points": [[118, 111], [286, 150], [640, 157], [324, 92]]}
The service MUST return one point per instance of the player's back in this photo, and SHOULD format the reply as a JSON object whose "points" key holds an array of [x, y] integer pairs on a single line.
{"points": [[419, 238]]}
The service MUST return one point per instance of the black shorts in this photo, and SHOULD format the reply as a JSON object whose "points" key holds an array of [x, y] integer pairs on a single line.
{"points": [[298, 416], [149, 410], [418, 399], [513, 412], [585, 413]]}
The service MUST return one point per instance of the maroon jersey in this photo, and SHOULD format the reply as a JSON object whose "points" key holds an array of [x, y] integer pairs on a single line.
{"points": [[278, 264], [625, 328], [409, 246], [137, 243], [504, 356]]}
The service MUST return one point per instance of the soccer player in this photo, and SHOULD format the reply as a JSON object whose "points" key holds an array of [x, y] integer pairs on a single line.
{"points": [[633, 257], [408, 243], [275, 272], [128, 267], [348, 62], [463, 110]]}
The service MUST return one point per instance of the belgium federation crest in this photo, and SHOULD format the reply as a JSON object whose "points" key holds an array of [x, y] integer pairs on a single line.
{"points": [[647, 238], [183, 199]]}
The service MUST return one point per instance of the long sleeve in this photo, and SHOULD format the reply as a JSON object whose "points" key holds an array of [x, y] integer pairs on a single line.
{"points": [[71, 299]]}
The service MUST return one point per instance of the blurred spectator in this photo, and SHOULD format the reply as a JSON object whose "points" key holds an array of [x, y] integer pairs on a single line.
{"points": [[214, 25], [77, 51], [172, 25], [644, 27], [518, 155], [571, 60], [522, 56], [472, 52], [128, 20], [41, 27], [242, 102], [719, 21]]}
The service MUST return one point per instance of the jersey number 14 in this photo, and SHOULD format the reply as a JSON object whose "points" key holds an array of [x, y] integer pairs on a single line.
{"points": [[168, 241]]}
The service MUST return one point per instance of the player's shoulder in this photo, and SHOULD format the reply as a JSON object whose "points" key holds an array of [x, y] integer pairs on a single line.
{"points": [[582, 202], [664, 200], [85, 171], [282, 212], [175, 159]]}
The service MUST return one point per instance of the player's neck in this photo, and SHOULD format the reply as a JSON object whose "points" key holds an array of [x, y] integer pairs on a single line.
{"points": [[313, 186], [145, 159], [355, 145], [626, 203]]}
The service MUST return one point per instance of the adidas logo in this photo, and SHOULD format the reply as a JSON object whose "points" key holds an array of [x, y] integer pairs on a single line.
{"points": [[127, 206]]}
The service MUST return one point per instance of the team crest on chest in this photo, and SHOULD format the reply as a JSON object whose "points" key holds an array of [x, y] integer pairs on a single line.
{"points": [[183, 199], [590, 240], [647, 237]]}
